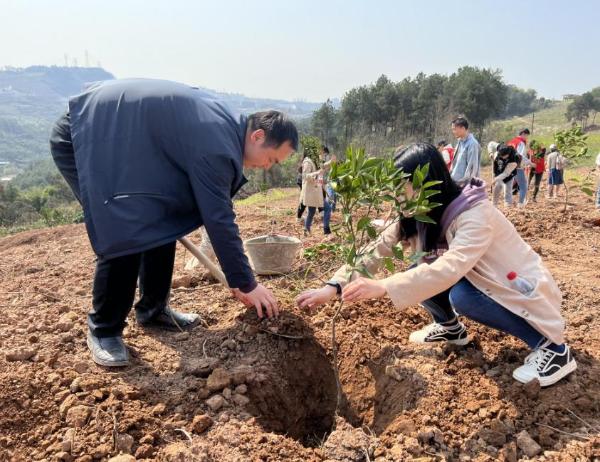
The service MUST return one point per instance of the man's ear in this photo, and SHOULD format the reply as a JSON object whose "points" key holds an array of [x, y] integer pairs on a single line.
{"points": [[257, 135]]}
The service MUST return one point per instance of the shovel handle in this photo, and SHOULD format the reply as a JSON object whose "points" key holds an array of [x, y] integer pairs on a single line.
{"points": [[207, 262]]}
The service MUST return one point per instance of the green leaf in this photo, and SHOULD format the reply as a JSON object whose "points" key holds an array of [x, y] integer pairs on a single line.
{"points": [[398, 252], [424, 219], [389, 264]]}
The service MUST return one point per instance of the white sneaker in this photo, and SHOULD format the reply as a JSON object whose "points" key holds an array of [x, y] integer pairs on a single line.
{"points": [[545, 365], [435, 332]]}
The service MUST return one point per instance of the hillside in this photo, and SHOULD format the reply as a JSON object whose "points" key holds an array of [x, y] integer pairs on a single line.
{"points": [[31, 99], [545, 124], [271, 394]]}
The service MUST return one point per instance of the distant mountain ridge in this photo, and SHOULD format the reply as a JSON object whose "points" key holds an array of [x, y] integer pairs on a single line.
{"points": [[32, 98]]}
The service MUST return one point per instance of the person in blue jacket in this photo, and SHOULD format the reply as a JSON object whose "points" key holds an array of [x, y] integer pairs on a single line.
{"points": [[150, 161]]}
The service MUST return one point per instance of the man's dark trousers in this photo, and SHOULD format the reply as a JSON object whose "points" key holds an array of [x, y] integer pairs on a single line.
{"points": [[115, 279]]}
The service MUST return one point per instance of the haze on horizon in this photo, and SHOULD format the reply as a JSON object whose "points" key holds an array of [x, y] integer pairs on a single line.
{"points": [[309, 50]]}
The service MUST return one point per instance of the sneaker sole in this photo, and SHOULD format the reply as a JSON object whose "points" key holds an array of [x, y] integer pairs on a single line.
{"points": [[547, 381], [104, 363], [460, 341]]}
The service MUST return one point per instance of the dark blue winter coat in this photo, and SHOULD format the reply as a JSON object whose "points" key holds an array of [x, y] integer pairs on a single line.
{"points": [[156, 160]]}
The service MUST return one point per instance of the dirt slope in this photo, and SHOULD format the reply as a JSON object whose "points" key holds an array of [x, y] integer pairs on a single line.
{"points": [[266, 391]]}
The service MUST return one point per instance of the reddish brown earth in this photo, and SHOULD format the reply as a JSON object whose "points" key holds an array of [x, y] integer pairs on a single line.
{"points": [[274, 380]]}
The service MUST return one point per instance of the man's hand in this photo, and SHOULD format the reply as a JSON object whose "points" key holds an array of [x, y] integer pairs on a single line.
{"points": [[312, 298], [362, 289], [260, 298]]}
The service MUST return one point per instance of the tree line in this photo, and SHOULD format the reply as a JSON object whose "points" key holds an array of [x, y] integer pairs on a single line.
{"points": [[584, 108], [387, 113]]}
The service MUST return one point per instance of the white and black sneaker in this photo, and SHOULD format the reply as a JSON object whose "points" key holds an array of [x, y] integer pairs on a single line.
{"points": [[546, 365], [455, 334]]}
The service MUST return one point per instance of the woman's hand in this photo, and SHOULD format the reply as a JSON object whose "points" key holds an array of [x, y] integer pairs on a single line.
{"points": [[312, 298], [362, 289]]}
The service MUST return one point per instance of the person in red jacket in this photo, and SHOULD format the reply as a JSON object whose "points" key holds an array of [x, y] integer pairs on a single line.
{"points": [[537, 155], [520, 145], [447, 152]]}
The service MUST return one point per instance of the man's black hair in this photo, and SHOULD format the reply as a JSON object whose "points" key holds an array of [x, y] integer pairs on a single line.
{"points": [[525, 131], [461, 122], [277, 126], [441, 143], [325, 149]]}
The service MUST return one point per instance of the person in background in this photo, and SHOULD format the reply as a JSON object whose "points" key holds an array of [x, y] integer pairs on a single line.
{"points": [[505, 166], [471, 251], [447, 152], [328, 160], [301, 207], [598, 188], [467, 156], [555, 166], [537, 156], [312, 192], [520, 144]]}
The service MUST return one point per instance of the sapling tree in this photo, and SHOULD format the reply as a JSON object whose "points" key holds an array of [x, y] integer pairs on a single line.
{"points": [[572, 144], [367, 188]]}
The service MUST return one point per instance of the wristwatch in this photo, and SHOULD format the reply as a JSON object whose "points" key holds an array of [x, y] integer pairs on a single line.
{"points": [[337, 286]]}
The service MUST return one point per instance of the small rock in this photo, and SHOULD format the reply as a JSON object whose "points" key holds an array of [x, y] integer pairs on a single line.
{"points": [[80, 367], [528, 445], [122, 458], [67, 443], [75, 385], [124, 443], [215, 402], [145, 451], [227, 393], [229, 344], [201, 423], [199, 367], [218, 379], [405, 426], [159, 409], [64, 325], [240, 400], [181, 336], [20, 354], [494, 438], [77, 416], [241, 374], [102, 451], [532, 388], [182, 281], [68, 403], [241, 389], [147, 439], [64, 456]]}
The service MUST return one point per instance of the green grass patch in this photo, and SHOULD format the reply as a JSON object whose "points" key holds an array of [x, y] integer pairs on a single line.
{"points": [[270, 195]]}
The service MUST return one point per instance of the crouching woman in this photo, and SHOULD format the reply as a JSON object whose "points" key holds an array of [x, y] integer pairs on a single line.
{"points": [[468, 254]]}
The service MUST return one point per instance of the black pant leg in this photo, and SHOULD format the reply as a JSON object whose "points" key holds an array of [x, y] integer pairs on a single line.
{"points": [[113, 294], [300, 211], [63, 154], [156, 272]]}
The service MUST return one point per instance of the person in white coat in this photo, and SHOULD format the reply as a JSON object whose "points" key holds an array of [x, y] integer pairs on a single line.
{"points": [[466, 271]]}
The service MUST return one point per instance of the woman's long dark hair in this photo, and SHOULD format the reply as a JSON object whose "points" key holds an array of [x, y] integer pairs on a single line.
{"points": [[416, 155]]}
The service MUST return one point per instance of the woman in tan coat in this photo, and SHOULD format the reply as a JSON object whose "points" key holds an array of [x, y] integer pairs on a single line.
{"points": [[471, 254], [311, 195]]}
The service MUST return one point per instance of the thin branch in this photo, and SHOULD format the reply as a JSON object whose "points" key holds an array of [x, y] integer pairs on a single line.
{"points": [[576, 435]]}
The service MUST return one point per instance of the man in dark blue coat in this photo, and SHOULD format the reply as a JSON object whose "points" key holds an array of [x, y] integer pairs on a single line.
{"points": [[150, 161]]}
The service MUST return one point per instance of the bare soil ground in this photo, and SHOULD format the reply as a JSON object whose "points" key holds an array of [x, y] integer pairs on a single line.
{"points": [[238, 389]]}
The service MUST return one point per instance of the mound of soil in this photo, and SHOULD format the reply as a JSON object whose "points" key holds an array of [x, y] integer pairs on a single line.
{"points": [[239, 388]]}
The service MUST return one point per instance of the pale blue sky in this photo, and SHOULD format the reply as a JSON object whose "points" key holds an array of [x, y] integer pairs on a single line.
{"points": [[310, 49]]}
